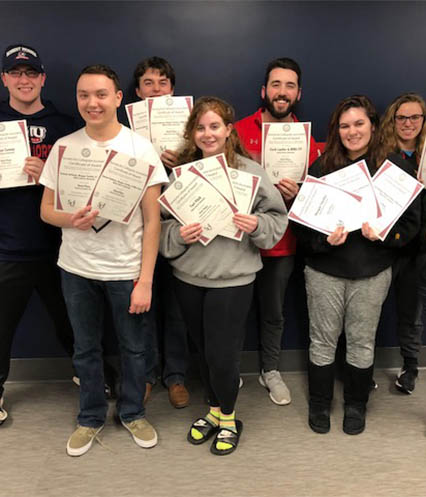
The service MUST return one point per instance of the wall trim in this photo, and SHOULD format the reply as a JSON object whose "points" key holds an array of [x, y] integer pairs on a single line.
{"points": [[59, 368]]}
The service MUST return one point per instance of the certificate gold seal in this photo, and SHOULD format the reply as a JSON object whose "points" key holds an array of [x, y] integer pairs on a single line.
{"points": [[178, 185], [132, 162], [86, 152]]}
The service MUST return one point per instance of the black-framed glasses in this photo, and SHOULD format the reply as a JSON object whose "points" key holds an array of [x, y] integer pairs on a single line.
{"points": [[29, 73], [415, 118]]}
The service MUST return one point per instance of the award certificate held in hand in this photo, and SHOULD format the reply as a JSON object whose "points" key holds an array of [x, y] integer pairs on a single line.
{"points": [[14, 149], [215, 169], [193, 199], [78, 171], [120, 187], [395, 190], [356, 179], [137, 114], [167, 119], [324, 207], [285, 150]]}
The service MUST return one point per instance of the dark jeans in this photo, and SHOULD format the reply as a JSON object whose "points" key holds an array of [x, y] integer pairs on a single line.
{"points": [[271, 285], [18, 280], [167, 342], [86, 300], [409, 278], [216, 321]]}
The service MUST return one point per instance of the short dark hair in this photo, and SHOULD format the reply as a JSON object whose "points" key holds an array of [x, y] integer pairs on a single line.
{"points": [[103, 70], [154, 63], [284, 63]]}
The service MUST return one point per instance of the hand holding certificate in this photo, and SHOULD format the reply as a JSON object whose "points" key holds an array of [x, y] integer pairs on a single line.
{"points": [[324, 207], [193, 199], [14, 149], [237, 186], [285, 150]]}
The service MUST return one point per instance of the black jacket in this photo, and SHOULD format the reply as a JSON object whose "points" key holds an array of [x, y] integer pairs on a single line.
{"points": [[358, 257]]}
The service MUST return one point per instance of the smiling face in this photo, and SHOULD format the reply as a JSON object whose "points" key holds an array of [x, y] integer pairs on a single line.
{"points": [[24, 85], [210, 134], [281, 93], [407, 130], [355, 131], [98, 100], [153, 84]]}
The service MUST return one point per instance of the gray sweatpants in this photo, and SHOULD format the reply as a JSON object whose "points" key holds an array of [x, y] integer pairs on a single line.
{"points": [[335, 304]]}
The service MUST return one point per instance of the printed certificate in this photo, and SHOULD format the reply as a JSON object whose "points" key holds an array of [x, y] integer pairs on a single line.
{"points": [[356, 179], [120, 187], [215, 169], [285, 150], [137, 114], [421, 171], [395, 190], [167, 119], [193, 199], [245, 186], [323, 207], [78, 171], [14, 149]]}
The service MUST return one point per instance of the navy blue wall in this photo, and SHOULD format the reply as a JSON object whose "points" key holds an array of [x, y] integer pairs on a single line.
{"points": [[221, 48]]}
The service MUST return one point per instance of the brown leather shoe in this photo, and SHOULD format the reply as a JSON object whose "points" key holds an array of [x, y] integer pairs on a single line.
{"points": [[178, 395], [148, 390]]}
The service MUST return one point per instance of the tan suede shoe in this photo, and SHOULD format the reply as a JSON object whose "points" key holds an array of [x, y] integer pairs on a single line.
{"points": [[178, 396]]}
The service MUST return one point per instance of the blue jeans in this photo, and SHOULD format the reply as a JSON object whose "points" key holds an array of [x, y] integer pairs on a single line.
{"points": [[86, 300]]}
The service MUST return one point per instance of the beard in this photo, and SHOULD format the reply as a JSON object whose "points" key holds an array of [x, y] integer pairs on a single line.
{"points": [[269, 106]]}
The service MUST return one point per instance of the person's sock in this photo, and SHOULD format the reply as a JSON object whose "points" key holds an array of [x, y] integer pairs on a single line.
{"points": [[212, 417], [227, 422]]}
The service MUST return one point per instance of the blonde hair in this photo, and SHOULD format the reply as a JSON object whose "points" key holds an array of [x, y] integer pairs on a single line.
{"points": [[388, 138], [190, 152]]}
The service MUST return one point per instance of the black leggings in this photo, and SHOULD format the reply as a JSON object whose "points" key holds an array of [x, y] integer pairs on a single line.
{"points": [[216, 319]]}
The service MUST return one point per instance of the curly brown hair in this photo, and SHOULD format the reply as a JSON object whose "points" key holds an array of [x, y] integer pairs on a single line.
{"points": [[190, 152], [335, 154], [388, 138]]}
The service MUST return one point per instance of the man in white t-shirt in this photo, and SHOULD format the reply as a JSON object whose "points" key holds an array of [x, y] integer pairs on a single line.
{"points": [[104, 262]]}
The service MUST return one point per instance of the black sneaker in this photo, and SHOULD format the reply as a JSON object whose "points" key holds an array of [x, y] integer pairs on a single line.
{"points": [[373, 385], [406, 380]]}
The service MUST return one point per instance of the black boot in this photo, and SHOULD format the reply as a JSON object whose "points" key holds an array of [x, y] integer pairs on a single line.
{"points": [[321, 386], [356, 392]]}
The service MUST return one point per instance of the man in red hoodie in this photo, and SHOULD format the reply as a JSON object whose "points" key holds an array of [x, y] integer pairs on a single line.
{"points": [[280, 93]]}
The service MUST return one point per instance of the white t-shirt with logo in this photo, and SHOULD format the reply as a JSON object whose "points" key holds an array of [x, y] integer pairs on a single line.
{"points": [[112, 251]]}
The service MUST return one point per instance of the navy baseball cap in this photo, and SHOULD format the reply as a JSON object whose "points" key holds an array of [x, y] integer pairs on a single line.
{"points": [[21, 54]]}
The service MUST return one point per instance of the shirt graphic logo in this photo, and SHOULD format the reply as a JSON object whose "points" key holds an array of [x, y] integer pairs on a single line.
{"points": [[37, 134]]}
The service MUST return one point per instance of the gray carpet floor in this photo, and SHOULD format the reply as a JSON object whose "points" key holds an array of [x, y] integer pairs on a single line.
{"points": [[278, 456]]}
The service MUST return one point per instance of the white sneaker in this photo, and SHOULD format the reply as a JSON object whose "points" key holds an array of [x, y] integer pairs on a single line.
{"points": [[143, 432], [3, 412], [240, 385], [81, 440], [278, 391]]}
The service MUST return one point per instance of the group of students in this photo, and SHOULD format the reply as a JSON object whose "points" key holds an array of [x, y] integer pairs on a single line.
{"points": [[210, 288]]}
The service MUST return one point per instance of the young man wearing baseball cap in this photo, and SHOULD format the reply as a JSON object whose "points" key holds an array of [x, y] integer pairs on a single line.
{"points": [[28, 246]]}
